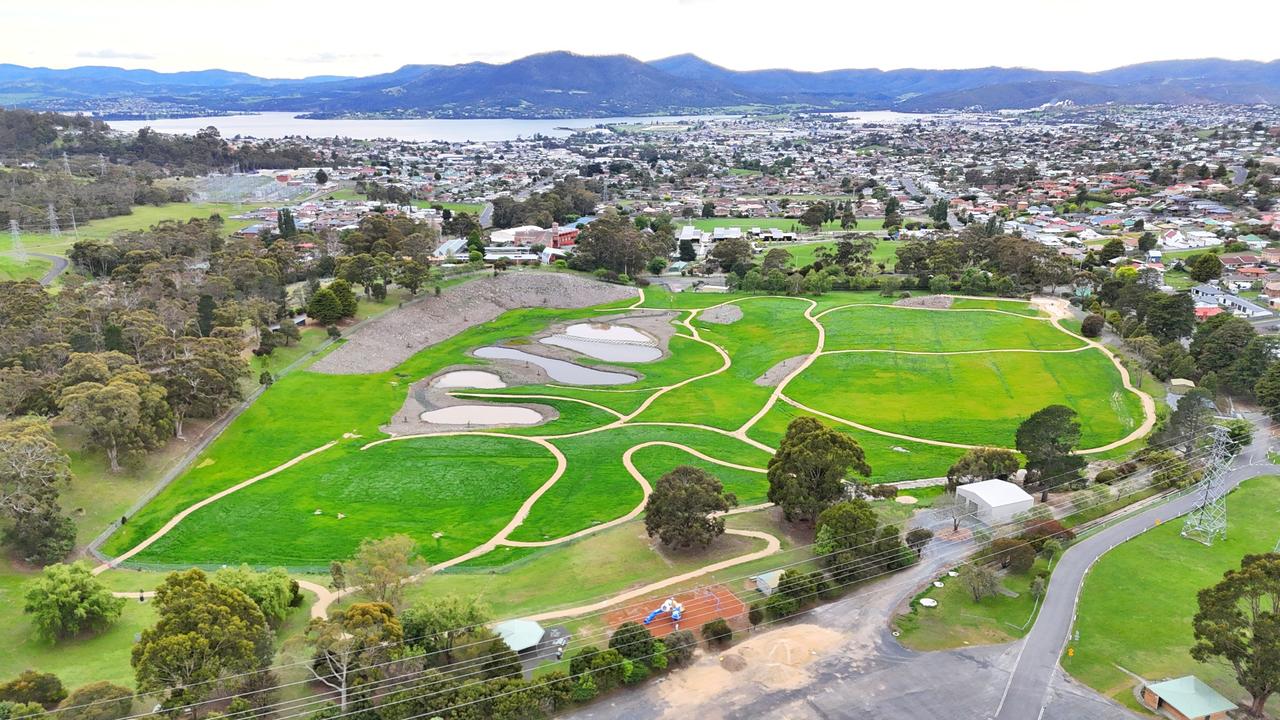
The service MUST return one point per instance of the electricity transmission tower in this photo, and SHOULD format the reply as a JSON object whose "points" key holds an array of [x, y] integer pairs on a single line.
{"points": [[1209, 521], [66, 164], [54, 230], [19, 251]]}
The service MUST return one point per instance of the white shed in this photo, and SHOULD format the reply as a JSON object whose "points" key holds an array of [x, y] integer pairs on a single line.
{"points": [[995, 501]]}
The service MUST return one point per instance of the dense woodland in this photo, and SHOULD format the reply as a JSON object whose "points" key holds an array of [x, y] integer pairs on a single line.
{"points": [[106, 172]]}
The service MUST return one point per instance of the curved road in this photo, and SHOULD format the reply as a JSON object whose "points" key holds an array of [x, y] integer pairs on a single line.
{"points": [[1025, 694]]}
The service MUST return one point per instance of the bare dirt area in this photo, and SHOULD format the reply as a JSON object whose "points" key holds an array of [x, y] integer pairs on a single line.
{"points": [[383, 343], [775, 374], [932, 302], [722, 315], [776, 660]]}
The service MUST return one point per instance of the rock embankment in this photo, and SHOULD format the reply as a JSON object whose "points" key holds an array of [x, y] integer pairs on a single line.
{"points": [[384, 343]]}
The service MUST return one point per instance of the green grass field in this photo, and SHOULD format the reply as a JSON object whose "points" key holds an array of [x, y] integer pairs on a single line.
{"points": [[469, 487], [13, 269], [886, 251], [1135, 613], [972, 399], [781, 223], [142, 217]]}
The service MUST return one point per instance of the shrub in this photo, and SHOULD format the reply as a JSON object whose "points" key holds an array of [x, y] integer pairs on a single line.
{"points": [[755, 615], [633, 641], [580, 661], [1092, 325], [658, 660], [1040, 531], [778, 606], [333, 332], [586, 688], [33, 687], [607, 667], [634, 672], [717, 633], [97, 701], [883, 491], [1106, 476], [680, 646]]}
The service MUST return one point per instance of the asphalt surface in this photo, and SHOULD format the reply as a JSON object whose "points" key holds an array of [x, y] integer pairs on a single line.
{"points": [[60, 265], [1026, 692]]}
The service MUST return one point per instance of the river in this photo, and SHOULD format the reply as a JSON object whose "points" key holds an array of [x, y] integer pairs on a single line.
{"points": [[283, 124]]}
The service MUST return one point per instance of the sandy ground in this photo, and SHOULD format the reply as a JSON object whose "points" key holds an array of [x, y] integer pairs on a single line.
{"points": [[935, 302], [389, 340], [422, 397], [722, 315], [775, 374]]}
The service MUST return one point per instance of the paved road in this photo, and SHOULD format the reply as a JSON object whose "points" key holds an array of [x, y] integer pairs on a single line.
{"points": [[1239, 174], [1026, 692], [60, 265], [486, 215]]}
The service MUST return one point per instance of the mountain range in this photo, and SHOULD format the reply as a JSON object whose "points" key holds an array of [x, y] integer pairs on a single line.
{"points": [[562, 84]]}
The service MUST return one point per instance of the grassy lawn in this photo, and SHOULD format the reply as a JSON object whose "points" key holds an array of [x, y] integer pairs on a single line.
{"points": [[959, 621], [781, 223], [770, 331], [1135, 614], [886, 251], [465, 487], [12, 269], [468, 487], [973, 399], [142, 217], [886, 328]]}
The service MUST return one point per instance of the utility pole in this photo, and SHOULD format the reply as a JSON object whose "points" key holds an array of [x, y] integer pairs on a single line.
{"points": [[74, 228], [19, 252]]}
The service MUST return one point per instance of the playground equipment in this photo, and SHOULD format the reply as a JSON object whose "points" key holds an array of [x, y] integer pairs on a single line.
{"points": [[668, 606]]}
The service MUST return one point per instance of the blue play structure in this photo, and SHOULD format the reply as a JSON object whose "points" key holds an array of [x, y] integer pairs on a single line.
{"points": [[668, 606]]}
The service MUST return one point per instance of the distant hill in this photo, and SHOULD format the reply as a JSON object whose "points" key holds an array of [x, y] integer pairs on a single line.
{"points": [[561, 84]]}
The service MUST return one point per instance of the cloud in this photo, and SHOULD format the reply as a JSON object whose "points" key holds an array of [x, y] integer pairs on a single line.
{"points": [[109, 54], [332, 57]]}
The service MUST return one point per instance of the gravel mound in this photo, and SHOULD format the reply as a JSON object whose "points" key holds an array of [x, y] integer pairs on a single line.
{"points": [[933, 302], [722, 315], [384, 343], [775, 374]]}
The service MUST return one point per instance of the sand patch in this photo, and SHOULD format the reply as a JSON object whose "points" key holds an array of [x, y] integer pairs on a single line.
{"points": [[774, 660], [482, 415], [777, 373], [469, 379], [722, 315], [933, 302]]}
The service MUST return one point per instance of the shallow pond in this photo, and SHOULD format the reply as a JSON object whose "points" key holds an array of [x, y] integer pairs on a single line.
{"points": [[559, 370], [482, 415], [468, 379], [602, 341]]}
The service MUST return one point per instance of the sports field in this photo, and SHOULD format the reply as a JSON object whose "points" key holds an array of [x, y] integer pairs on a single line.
{"points": [[914, 386]]}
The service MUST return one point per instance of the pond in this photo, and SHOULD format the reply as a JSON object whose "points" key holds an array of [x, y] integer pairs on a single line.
{"points": [[468, 379], [483, 415], [558, 370], [612, 343]]}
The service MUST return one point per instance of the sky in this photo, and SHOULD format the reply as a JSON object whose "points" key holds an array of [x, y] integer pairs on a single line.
{"points": [[325, 37]]}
